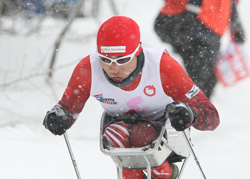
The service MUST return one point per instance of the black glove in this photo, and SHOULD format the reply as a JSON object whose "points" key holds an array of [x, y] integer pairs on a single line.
{"points": [[181, 115], [58, 120], [238, 35]]}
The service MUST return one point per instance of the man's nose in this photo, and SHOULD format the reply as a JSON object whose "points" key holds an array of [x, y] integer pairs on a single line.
{"points": [[115, 68]]}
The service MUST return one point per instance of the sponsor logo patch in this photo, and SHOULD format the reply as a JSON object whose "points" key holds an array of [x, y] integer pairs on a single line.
{"points": [[100, 98], [149, 90], [113, 49], [193, 92]]}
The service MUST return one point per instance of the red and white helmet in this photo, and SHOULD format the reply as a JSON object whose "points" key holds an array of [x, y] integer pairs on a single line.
{"points": [[118, 36]]}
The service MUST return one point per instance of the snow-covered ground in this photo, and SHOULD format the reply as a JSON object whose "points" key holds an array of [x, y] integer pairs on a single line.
{"points": [[28, 151]]}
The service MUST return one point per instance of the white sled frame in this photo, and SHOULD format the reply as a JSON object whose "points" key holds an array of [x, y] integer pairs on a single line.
{"points": [[150, 156]]}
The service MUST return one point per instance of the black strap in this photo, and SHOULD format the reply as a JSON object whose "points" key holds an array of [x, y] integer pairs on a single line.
{"points": [[195, 2]]}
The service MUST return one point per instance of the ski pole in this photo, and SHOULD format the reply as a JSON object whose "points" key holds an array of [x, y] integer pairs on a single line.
{"points": [[72, 156], [195, 157]]}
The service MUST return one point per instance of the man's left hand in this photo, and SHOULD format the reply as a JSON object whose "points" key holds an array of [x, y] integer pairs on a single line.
{"points": [[181, 115]]}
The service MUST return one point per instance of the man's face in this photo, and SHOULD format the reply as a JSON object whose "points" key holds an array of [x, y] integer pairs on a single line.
{"points": [[119, 72]]}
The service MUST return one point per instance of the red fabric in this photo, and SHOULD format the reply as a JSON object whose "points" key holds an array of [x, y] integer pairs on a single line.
{"points": [[118, 31], [164, 171], [117, 134], [132, 174], [142, 134], [215, 14], [174, 7], [78, 89], [175, 82]]}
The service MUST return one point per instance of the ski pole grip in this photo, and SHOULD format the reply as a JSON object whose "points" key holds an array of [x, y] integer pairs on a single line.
{"points": [[169, 108]]}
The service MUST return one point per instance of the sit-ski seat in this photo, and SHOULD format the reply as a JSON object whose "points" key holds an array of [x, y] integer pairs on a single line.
{"points": [[151, 156]]}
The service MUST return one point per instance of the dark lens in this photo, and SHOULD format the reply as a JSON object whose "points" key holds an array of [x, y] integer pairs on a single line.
{"points": [[123, 60], [105, 60]]}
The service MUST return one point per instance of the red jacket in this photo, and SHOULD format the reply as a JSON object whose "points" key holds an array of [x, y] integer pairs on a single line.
{"points": [[215, 14], [175, 82]]}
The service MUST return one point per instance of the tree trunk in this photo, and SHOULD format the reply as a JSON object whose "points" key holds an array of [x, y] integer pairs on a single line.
{"points": [[72, 17]]}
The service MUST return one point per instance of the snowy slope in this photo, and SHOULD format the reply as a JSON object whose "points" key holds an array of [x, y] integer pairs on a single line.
{"points": [[28, 151]]}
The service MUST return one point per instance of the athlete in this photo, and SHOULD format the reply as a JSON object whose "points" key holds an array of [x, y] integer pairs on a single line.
{"points": [[194, 29], [127, 78]]}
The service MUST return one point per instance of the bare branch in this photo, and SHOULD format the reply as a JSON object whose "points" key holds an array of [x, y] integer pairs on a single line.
{"points": [[33, 75], [72, 17]]}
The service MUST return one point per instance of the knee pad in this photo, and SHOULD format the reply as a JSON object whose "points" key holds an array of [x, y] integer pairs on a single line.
{"points": [[117, 134], [164, 171]]}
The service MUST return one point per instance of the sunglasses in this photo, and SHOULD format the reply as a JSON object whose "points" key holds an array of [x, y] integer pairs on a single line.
{"points": [[120, 60]]}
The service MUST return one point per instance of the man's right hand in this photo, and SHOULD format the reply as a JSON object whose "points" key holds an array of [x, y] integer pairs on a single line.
{"points": [[58, 120]]}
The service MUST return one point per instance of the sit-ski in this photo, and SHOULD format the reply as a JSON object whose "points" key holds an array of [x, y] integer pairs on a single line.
{"points": [[168, 142]]}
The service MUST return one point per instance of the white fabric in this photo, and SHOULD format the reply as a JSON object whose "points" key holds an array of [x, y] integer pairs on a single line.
{"points": [[148, 99]]}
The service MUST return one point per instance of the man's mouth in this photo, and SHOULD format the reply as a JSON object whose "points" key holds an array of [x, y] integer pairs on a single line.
{"points": [[116, 79]]}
